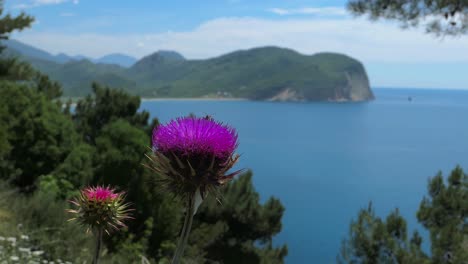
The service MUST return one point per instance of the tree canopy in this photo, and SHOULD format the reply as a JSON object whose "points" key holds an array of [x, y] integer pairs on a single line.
{"points": [[444, 213], [373, 240], [39, 135], [10, 23], [449, 17]]}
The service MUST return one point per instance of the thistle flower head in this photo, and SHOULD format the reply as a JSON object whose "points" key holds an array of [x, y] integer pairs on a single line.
{"points": [[190, 136], [193, 154], [100, 193], [100, 207]]}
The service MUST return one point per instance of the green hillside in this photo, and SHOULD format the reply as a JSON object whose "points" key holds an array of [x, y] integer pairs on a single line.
{"points": [[76, 77], [267, 73]]}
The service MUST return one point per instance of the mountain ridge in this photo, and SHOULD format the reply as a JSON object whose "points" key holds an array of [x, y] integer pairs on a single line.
{"points": [[262, 73], [36, 53], [118, 59]]}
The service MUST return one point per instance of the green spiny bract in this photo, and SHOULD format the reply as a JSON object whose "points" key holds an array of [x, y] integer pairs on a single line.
{"points": [[100, 208]]}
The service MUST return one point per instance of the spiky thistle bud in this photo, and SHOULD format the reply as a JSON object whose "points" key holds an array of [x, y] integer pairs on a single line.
{"points": [[100, 208], [193, 155]]}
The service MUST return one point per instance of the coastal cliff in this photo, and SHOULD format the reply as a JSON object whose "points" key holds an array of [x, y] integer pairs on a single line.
{"points": [[348, 83]]}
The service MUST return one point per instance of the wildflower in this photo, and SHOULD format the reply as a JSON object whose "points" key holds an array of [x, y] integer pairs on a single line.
{"points": [[24, 250], [24, 237], [38, 252], [14, 258], [100, 207], [194, 154]]}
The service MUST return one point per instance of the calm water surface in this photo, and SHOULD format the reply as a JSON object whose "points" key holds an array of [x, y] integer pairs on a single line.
{"points": [[325, 161]]}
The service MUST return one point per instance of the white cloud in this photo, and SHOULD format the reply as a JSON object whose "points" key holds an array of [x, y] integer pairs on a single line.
{"points": [[67, 14], [36, 3], [317, 11], [21, 6], [358, 38], [48, 2], [279, 11]]}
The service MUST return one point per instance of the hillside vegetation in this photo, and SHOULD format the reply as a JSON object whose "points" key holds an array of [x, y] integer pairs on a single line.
{"points": [[266, 73]]}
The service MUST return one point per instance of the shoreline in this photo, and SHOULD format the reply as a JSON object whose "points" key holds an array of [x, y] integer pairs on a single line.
{"points": [[150, 99], [233, 99]]}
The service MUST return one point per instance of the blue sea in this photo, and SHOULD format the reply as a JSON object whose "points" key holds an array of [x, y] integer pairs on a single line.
{"points": [[325, 161]]}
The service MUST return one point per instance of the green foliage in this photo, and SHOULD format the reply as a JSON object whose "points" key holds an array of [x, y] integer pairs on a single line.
{"points": [[40, 136], [104, 106], [240, 229], [46, 86], [373, 240], [447, 17], [43, 218], [34, 136], [12, 69], [119, 156], [120, 147], [5, 146], [10, 24], [78, 166], [445, 214], [56, 187]]}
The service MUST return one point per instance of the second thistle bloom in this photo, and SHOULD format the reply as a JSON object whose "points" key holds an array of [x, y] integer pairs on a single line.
{"points": [[194, 154], [100, 208]]}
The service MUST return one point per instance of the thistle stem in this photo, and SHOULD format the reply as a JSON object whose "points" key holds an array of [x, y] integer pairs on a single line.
{"points": [[98, 246], [185, 231]]}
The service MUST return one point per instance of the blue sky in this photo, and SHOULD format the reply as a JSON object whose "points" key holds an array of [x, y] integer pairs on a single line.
{"points": [[206, 28]]}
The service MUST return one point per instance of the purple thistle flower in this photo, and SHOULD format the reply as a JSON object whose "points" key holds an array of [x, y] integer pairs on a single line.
{"points": [[100, 208], [191, 157], [193, 154], [190, 136]]}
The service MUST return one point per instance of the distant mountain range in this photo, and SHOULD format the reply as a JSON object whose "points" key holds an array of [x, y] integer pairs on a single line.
{"points": [[266, 73], [30, 51]]}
